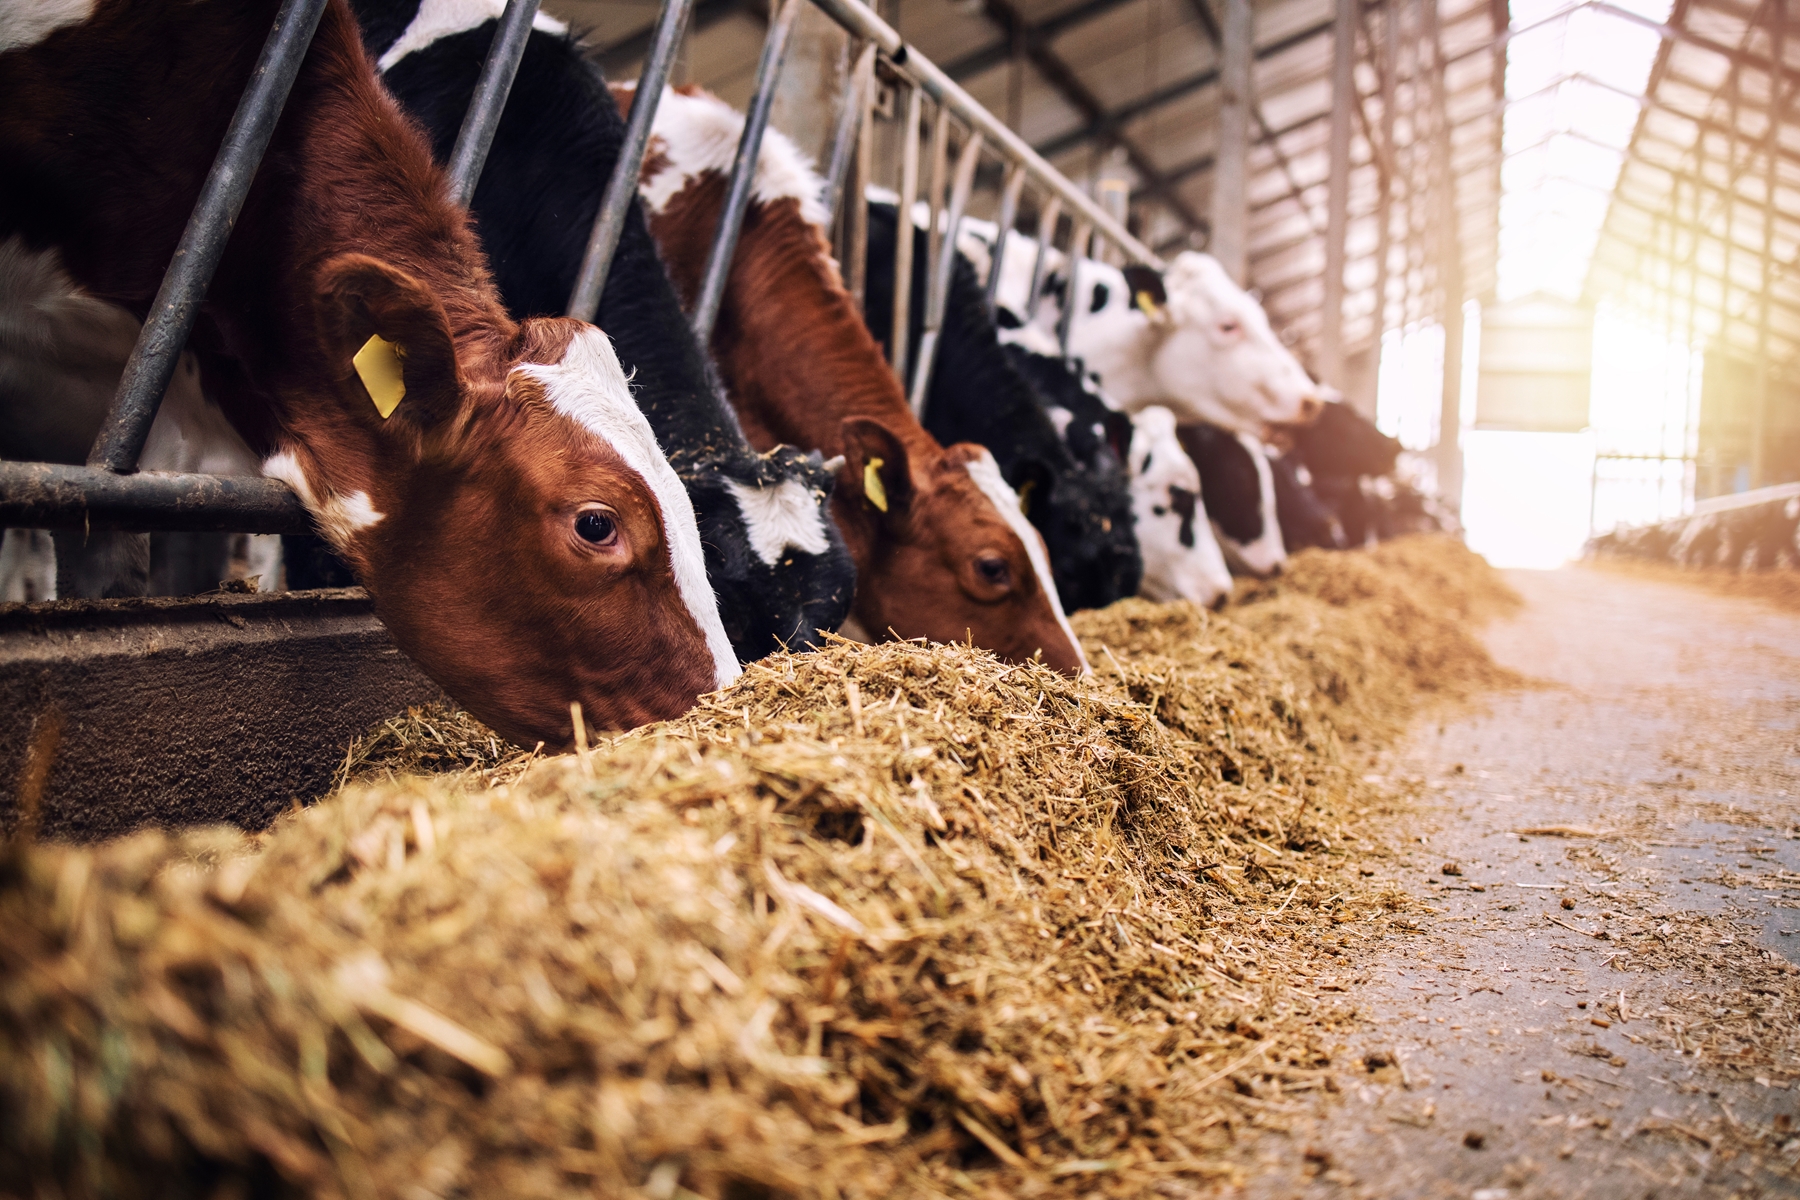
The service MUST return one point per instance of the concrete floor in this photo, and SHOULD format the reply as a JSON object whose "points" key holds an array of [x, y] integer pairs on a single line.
{"points": [[1607, 1013]]}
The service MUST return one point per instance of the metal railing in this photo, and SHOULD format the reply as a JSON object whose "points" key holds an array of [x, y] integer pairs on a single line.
{"points": [[109, 492]]}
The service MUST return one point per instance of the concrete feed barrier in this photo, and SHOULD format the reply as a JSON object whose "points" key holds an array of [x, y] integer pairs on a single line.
{"points": [[116, 714]]}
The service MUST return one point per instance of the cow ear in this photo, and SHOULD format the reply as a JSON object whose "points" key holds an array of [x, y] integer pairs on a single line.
{"points": [[386, 340], [876, 469], [1147, 292]]}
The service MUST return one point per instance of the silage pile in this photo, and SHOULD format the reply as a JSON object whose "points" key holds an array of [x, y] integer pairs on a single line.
{"points": [[890, 920]]}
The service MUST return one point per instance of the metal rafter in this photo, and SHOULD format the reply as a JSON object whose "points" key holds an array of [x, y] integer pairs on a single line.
{"points": [[1058, 74]]}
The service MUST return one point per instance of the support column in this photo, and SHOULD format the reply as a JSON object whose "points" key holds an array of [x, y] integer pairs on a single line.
{"points": [[1230, 206], [1337, 203], [1759, 425], [1449, 272]]}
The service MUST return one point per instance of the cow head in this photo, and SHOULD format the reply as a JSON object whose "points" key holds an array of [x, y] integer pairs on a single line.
{"points": [[504, 501], [1217, 357], [1182, 559], [953, 556]]}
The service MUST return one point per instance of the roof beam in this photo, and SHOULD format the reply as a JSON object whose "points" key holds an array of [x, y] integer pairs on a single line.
{"points": [[1041, 34], [1106, 123], [1058, 74]]}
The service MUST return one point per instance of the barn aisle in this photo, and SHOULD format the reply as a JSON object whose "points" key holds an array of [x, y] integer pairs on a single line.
{"points": [[1600, 1000]]}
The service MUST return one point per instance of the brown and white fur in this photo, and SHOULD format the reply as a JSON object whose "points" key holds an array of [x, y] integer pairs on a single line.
{"points": [[467, 512]]}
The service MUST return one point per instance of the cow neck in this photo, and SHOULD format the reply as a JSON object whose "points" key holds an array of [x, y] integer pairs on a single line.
{"points": [[795, 353], [345, 171]]}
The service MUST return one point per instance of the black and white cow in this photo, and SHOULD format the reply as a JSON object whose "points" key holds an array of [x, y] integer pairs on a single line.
{"points": [[773, 555], [1182, 559], [1238, 487], [1188, 338], [977, 395]]}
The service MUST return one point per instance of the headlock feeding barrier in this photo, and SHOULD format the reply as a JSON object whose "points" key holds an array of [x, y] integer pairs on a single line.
{"points": [[109, 493]]}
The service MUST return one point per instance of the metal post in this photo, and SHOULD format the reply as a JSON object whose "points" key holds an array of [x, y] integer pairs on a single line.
{"points": [[1040, 265], [491, 90], [1337, 204], [856, 239], [1009, 212], [941, 268], [1759, 426], [1230, 211], [152, 362], [844, 139], [1450, 276], [903, 230], [934, 195], [1078, 248], [609, 222], [743, 173], [1389, 179]]}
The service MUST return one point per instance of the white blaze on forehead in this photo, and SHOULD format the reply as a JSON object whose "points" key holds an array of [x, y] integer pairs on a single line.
{"points": [[777, 517], [443, 18], [339, 517], [589, 387], [986, 474], [696, 134], [28, 22]]}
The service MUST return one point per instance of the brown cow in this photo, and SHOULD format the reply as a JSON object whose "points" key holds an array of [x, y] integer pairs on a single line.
{"points": [[522, 534], [942, 548]]}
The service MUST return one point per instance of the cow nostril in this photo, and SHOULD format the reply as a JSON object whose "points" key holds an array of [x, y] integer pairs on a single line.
{"points": [[1310, 408]]}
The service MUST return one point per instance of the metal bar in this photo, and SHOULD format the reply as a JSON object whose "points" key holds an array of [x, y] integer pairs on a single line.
{"points": [[615, 202], [856, 270], [1230, 209], [54, 496], [942, 268], [493, 86], [743, 173], [934, 199], [1078, 248], [1009, 212], [903, 231], [1040, 264], [857, 17], [849, 126], [1759, 425], [1337, 204], [153, 358]]}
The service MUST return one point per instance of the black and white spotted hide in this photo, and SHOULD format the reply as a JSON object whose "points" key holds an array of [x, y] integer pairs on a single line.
{"points": [[1083, 510], [1237, 485], [775, 559]]}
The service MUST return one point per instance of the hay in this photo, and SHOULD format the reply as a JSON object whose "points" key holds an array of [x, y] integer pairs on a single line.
{"points": [[877, 920]]}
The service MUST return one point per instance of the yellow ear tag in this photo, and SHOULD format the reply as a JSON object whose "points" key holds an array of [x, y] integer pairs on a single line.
{"points": [[872, 485], [1147, 305], [378, 366], [1025, 496]]}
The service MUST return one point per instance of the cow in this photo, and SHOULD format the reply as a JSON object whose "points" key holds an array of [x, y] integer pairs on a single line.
{"points": [[978, 393], [1181, 556], [491, 482], [1188, 338], [61, 353], [1340, 453], [1306, 520], [778, 564], [1237, 485], [943, 549]]}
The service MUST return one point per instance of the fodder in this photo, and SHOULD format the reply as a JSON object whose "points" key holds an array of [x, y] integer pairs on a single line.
{"points": [[877, 920]]}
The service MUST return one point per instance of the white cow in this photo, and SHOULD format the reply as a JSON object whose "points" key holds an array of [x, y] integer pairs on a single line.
{"points": [[1189, 339], [1182, 559]]}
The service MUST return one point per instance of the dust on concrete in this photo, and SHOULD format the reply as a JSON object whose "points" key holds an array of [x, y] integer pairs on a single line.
{"points": [[1609, 1009]]}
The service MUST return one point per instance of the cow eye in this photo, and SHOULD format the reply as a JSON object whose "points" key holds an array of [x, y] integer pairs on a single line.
{"points": [[1228, 327], [596, 526], [994, 570]]}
